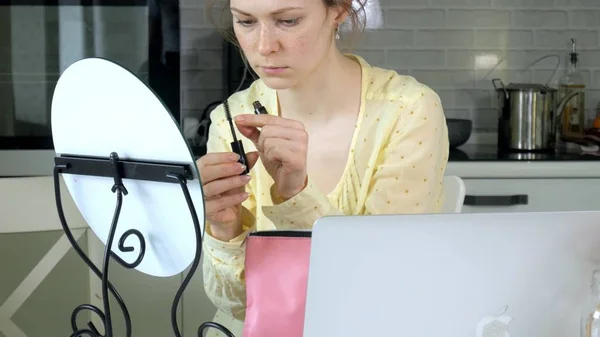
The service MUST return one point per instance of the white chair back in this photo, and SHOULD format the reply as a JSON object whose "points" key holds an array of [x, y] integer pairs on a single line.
{"points": [[454, 194]]}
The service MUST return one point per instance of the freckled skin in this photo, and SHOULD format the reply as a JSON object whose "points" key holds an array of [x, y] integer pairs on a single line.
{"points": [[300, 39]]}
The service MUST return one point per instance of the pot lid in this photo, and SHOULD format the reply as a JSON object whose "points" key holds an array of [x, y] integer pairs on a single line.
{"points": [[529, 87]]}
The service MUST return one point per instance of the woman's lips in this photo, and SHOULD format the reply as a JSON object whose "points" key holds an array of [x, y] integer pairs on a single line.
{"points": [[273, 70]]}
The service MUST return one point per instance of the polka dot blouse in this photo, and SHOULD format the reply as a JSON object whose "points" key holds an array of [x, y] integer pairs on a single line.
{"points": [[396, 165]]}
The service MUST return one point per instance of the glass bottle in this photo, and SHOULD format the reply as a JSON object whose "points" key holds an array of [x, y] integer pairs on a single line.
{"points": [[590, 318], [573, 114]]}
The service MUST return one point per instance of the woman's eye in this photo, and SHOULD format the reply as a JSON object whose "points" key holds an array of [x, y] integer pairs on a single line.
{"points": [[244, 23], [292, 22]]}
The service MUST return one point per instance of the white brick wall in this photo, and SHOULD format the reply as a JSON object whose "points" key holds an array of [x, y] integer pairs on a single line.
{"points": [[447, 44]]}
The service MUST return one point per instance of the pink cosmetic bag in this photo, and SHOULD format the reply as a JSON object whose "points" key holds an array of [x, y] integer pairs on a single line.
{"points": [[276, 282]]}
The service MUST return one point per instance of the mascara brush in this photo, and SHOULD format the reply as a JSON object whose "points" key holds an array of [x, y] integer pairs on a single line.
{"points": [[236, 146]]}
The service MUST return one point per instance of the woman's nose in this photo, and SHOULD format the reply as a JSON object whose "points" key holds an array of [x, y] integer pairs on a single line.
{"points": [[267, 41]]}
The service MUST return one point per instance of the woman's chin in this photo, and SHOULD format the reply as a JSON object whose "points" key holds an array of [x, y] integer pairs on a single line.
{"points": [[278, 83]]}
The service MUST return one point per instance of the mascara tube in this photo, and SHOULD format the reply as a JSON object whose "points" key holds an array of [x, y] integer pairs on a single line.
{"points": [[259, 109], [238, 147]]}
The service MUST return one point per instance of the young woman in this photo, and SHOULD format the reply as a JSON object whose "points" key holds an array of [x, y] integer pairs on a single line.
{"points": [[341, 137]]}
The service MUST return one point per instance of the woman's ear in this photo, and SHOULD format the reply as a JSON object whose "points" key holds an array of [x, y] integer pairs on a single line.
{"points": [[340, 13]]}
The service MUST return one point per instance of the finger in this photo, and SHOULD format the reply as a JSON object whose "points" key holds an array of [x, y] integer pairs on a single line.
{"points": [[284, 144], [214, 158], [250, 132], [287, 152], [216, 205], [230, 192], [213, 172], [259, 121], [285, 156], [221, 186], [299, 136], [252, 159]]}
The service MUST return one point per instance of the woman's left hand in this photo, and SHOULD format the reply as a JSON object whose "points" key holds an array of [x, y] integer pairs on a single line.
{"points": [[282, 145]]}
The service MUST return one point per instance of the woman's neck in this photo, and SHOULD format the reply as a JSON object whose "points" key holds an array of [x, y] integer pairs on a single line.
{"points": [[324, 92]]}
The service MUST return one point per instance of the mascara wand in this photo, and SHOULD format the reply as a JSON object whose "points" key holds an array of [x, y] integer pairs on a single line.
{"points": [[230, 121], [236, 145]]}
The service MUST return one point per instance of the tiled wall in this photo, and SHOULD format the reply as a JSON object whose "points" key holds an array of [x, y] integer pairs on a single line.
{"points": [[451, 45]]}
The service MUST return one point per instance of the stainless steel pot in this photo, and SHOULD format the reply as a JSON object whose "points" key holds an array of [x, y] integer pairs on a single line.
{"points": [[528, 115]]}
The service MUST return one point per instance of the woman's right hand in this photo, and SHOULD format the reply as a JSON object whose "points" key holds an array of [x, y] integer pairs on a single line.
{"points": [[224, 191]]}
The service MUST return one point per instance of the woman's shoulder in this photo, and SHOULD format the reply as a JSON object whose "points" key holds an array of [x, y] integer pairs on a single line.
{"points": [[388, 84], [389, 96], [382, 84]]}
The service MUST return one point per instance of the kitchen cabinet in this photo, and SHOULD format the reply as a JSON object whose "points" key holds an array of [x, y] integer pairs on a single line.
{"points": [[42, 280], [531, 195], [528, 186], [29, 205]]}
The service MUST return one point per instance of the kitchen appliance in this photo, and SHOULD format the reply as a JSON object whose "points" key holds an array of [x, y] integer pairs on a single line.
{"points": [[40, 39], [528, 115]]}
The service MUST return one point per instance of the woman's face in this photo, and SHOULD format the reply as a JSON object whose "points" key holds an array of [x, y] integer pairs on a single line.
{"points": [[284, 40]]}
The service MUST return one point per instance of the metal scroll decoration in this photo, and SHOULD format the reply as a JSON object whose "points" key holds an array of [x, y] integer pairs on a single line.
{"points": [[119, 169]]}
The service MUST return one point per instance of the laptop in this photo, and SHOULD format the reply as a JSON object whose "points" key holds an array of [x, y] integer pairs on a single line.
{"points": [[451, 275]]}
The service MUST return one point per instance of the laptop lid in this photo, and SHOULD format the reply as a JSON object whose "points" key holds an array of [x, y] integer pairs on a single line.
{"points": [[456, 275]]}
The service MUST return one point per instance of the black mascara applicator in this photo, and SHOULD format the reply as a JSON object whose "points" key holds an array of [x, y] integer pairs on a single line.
{"points": [[236, 145]]}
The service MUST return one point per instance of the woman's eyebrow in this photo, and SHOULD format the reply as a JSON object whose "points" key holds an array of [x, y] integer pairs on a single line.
{"points": [[277, 11]]}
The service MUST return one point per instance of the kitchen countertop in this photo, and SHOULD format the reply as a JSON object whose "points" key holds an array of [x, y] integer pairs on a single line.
{"points": [[485, 161], [491, 153], [468, 161]]}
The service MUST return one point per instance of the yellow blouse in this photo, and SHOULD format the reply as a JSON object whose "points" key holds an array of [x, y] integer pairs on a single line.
{"points": [[396, 165]]}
